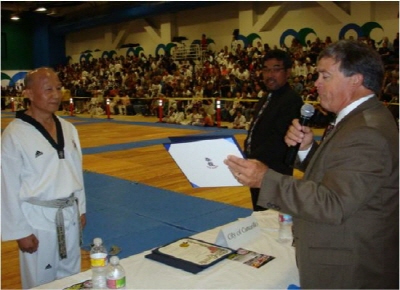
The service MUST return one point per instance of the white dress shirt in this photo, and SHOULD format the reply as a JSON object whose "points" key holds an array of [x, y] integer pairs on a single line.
{"points": [[343, 113]]}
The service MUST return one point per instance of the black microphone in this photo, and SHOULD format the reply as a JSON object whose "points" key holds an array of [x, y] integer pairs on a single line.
{"points": [[306, 112]]}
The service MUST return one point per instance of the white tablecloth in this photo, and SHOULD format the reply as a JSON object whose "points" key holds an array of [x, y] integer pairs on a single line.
{"points": [[143, 273]]}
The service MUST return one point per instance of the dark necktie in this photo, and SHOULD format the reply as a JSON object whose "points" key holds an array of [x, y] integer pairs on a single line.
{"points": [[262, 109], [328, 130]]}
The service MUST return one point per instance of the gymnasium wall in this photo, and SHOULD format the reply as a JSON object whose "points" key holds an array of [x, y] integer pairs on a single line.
{"points": [[274, 24], [32, 44]]}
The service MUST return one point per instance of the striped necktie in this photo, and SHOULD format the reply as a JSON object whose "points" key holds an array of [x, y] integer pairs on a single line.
{"points": [[328, 130], [248, 140]]}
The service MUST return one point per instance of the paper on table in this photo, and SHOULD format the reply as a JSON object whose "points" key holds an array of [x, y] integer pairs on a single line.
{"points": [[195, 251], [202, 161]]}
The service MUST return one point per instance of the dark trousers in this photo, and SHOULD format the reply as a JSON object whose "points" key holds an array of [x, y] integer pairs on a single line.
{"points": [[254, 198]]}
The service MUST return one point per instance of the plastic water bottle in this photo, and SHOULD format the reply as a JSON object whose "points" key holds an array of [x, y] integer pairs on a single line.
{"points": [[285, 228], [98, 261], [115, 274]]}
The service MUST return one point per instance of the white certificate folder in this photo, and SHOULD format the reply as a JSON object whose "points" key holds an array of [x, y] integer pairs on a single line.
{"points": [[201, 159]]}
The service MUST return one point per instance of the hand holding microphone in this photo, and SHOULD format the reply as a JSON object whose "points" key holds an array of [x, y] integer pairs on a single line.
{"points": [[306, 112]]}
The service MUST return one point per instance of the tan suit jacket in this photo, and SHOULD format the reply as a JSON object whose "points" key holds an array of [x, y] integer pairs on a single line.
{"points": [[346, 208]]}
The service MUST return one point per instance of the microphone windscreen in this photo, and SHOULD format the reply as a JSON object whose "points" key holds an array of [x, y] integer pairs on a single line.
{"points": [[307, 110]]}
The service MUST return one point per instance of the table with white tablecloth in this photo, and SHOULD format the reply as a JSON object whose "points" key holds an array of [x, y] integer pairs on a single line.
{"points": [[280, 273]]}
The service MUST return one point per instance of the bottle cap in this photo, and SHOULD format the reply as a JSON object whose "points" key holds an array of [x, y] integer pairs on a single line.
{"points": [[114, 260], [97, 241]]}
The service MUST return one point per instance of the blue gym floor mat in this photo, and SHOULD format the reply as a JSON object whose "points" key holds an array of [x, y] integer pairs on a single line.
{"points": [[138, 217]]}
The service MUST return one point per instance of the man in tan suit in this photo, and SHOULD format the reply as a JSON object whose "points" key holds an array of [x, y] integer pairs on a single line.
{"points": [[346, 208]]}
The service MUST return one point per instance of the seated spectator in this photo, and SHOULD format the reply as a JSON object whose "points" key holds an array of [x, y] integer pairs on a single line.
{"points": [[197, 117], [305, 95], [97, 111], [188, 118], [237, 104], [170, 117], [249, 106], [225, 108], [113, 92], [385, 52], [179, 116], [118, 104], [125, 108], [240, 120], [309, 83], [395, 72], [391, 92], [297, 85], [312, 96], [86, 107], [205, 120]]}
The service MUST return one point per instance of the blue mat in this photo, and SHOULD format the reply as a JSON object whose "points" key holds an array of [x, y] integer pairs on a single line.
{"points": [[209, 131], [137, 217]]}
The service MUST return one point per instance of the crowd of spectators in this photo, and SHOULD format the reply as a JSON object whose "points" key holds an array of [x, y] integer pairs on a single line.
{"points": [[135, 84]]}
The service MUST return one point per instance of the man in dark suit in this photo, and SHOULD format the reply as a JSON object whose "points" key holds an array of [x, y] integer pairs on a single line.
{"points": [[272, 117], [346, 208]]}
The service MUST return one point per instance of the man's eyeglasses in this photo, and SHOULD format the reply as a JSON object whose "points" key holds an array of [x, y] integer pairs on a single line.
{"points": [[273, 70]]}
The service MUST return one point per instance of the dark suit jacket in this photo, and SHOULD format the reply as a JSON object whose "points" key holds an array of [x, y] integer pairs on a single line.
{"points": [[267, 141], [346, 209]]}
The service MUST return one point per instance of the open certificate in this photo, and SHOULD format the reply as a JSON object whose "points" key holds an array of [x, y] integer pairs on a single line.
{"points": [[191, 255], [201, 159]]}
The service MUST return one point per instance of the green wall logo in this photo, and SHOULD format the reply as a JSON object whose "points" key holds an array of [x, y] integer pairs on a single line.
{"points": [[134, 51], [88, 55], [361, 31], [163, 49], [249, 39], [10, 78], [301, 36]]}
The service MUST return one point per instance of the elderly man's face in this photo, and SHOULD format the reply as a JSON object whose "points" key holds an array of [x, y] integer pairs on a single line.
{"points": [[45, 92]]}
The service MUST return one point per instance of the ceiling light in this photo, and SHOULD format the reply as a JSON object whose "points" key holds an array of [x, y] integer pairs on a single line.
{"points": [[41, 9], [52, 12], [14, 17]]}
